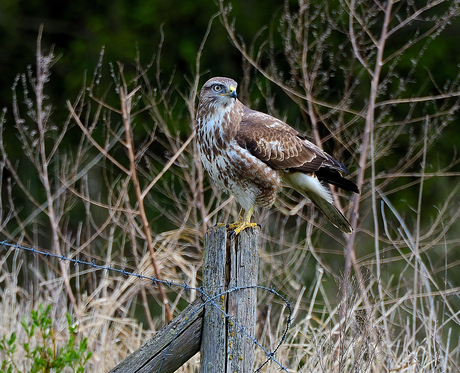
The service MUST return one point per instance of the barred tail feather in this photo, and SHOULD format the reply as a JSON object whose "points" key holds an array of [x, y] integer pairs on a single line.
{"points": [[311, 187]]}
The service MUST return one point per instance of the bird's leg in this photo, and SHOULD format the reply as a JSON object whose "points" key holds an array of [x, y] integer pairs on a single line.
{"points": [[237, 223], [244, 223], [231, 226]]}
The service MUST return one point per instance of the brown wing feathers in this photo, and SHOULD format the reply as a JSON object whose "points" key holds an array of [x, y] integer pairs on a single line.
{"points": [[269, 145], [282, 148]]}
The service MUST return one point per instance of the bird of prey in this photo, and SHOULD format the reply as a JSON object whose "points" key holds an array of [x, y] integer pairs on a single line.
{"points": [[250, 155]]}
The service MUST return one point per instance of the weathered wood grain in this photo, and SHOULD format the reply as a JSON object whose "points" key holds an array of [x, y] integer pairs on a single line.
{"points": [[229, 263], [213, 352], [241, 304], [179, 340]]}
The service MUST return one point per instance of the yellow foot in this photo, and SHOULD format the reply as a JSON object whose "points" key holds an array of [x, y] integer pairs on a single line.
{"points": [[242, 226], [243, 222], [234, 225]]}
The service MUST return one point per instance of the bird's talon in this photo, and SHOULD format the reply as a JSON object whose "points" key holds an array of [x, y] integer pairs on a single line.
{"points": [[233, 225], [237, 230]]}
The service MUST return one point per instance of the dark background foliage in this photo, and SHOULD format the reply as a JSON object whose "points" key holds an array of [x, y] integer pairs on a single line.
{"points": [[130, 30], [78, 31]]}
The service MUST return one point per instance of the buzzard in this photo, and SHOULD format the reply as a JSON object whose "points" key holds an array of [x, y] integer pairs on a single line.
{"points": [[250, 155]]}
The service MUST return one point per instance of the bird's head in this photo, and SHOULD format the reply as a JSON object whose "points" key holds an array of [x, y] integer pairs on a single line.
{"points": [[219, 92]]}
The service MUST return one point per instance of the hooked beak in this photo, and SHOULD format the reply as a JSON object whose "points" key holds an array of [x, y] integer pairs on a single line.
{"points": [[232, 92]]}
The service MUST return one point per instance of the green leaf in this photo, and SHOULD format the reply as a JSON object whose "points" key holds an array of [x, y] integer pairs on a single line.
{"points": [[12, 339]]}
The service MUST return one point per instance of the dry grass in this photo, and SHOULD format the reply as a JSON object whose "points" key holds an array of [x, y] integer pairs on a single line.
{"points": [[382, 299]]}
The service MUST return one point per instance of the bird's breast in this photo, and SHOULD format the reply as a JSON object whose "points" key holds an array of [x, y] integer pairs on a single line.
{"points": [[236, 171]]}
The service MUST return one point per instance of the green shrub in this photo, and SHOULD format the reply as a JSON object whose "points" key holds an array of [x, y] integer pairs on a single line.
{"points": [[43, 353]]}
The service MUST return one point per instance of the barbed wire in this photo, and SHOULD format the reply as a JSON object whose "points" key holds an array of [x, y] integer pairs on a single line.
{"points": [[209, 300]]}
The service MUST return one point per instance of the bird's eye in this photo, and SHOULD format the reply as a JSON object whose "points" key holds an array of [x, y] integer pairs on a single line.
{"points": [[217, 88]]}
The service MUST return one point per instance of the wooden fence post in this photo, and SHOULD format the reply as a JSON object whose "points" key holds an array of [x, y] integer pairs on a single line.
{"points": [[228, 264]]}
